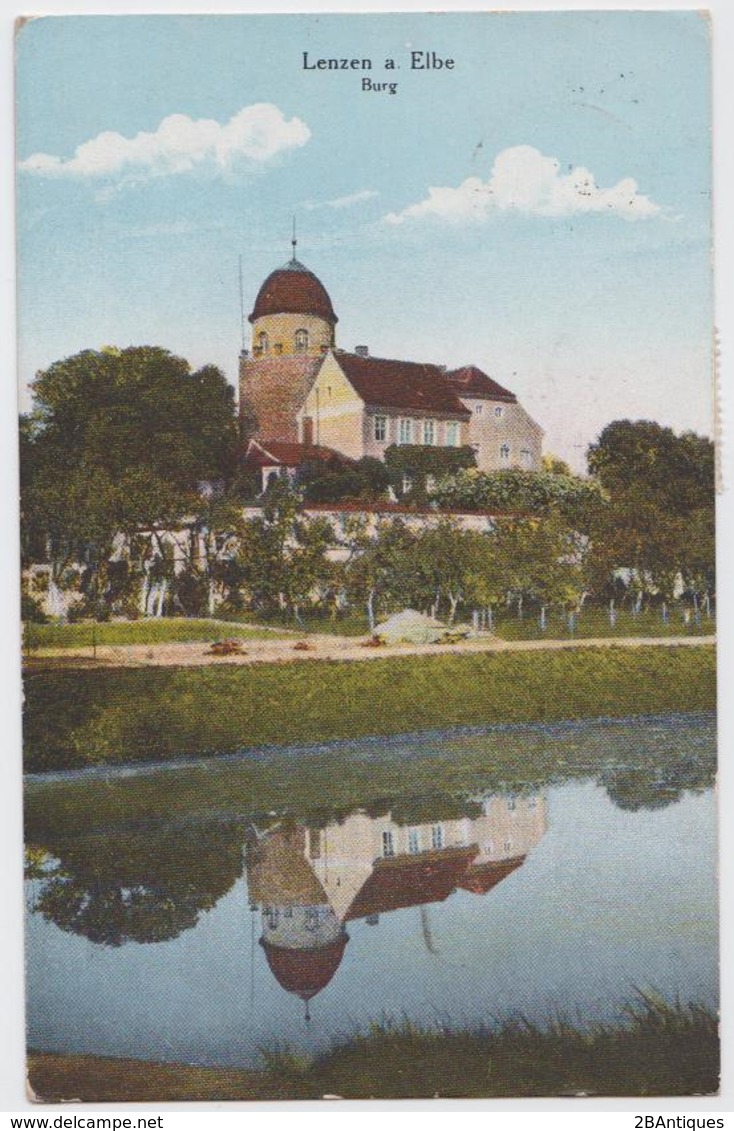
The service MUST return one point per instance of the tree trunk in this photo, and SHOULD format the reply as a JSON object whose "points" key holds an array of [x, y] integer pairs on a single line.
{"points": [[371, 610]]}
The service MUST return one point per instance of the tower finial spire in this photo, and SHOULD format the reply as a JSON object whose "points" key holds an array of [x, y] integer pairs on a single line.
{"points": [[294, 240]]}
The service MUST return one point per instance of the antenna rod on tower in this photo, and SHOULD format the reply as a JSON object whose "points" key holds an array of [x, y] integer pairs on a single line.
{"points": [[242, 307], [294, 241]]}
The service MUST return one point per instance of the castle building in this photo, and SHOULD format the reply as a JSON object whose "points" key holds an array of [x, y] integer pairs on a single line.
{"points": [[298, 388], [310, 881]]}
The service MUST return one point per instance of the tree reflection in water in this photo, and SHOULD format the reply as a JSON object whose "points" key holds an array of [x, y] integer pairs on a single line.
{"points": [[144, 887], [147, 885]]}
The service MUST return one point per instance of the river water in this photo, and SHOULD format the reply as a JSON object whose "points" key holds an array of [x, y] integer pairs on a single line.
{"points": [[218, 933]]}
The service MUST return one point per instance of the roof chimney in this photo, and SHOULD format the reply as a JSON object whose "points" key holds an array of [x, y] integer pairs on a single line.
{"points": [[362, 351]]}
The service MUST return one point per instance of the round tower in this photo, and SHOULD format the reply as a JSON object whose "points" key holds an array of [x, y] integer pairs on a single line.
{"points": [[292, 315], [304, 946], [293, 325]]}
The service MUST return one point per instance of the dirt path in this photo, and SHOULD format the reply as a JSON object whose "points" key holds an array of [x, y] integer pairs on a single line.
{"points": [[321, 647]]}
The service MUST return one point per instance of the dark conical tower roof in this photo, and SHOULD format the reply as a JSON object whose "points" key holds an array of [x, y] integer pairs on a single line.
{"points": [[293, 289], [305, 971]]}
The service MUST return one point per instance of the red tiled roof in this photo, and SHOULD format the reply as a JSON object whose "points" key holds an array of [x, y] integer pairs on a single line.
{"points": [[406, 881], [293, 289], [413, 385], [266, 453], [481, 878], [470, 381], [302, 971]]}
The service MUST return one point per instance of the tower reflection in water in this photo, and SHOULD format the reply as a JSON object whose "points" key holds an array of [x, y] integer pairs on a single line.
{"points": [[309, 882]]}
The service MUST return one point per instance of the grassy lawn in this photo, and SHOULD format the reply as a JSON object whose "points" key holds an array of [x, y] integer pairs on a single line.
{"points": [[660, 1050], [159, 630], [75, 718], [591, 622]]}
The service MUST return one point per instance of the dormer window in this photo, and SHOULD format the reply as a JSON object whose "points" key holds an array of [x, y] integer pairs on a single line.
{"points": [[301, 341]]}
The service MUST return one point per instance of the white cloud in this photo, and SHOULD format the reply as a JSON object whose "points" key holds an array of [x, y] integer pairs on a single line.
{"points": [[343, 201], [179, 145], [523, 180]]}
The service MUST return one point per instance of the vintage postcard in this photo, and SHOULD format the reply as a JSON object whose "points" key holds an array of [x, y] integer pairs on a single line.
{"points": [[368, 573]]}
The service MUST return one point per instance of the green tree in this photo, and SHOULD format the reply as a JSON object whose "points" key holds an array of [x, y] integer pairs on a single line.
{"points": [[382, 569], [540, 493], [554, 464], [421, 465], [282, 553], [119, 440], [448, 560], [658, 527], [677, 471], [366, 479]]}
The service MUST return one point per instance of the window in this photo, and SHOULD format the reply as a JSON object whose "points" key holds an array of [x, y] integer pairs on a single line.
{"points": [[278, 347], [407, 484], [388, 844], [381, 428], [405, 431], [437, 836], [262, 342], [511, 805], [505, 453], [314, 843], [508, 846], [452, 434], [478, 409], [429, 432], [413, 842], [301, 341], [526, 457], [499, 412]]}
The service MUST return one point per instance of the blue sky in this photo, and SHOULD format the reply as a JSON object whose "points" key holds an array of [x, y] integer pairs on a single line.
{"points": [[537, 259]]}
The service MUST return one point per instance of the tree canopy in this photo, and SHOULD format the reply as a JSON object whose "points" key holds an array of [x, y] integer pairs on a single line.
{"points": [[659, 521], [120, 439], [676, 471], [521, 492]]}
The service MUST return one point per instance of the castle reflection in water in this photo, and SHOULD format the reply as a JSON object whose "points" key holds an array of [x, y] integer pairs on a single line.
{"points": [[309, 882]]}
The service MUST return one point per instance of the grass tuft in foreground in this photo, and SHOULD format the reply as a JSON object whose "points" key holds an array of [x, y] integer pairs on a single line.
{"points": [[659, 1050]]}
